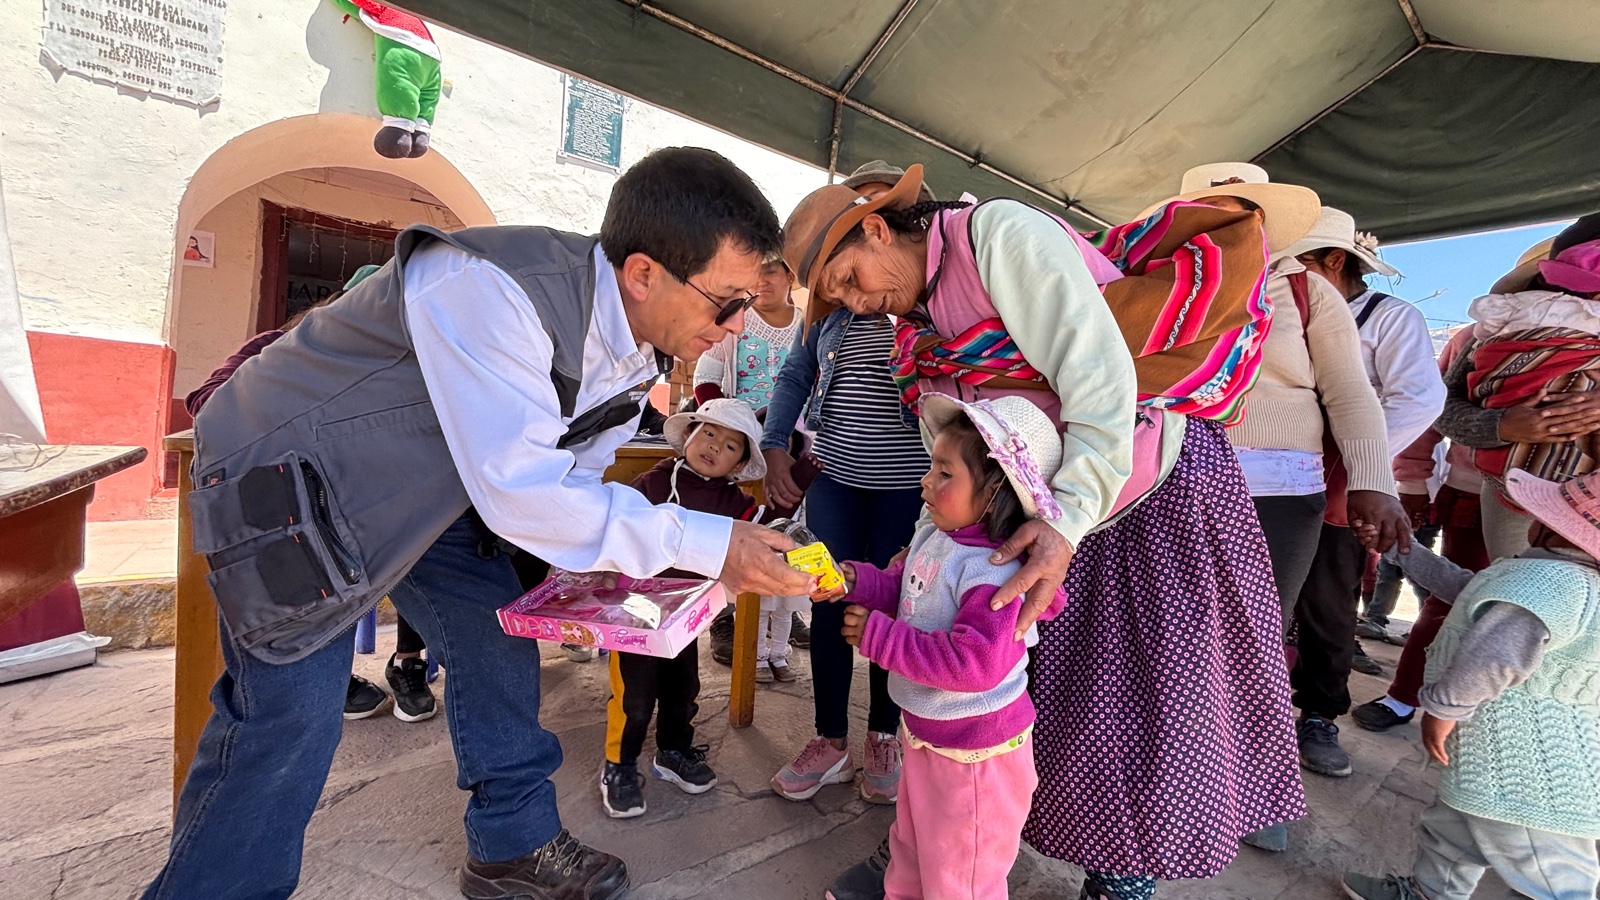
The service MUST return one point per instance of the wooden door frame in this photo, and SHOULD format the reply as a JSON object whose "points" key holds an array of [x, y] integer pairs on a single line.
{"points": [[272, 308]]}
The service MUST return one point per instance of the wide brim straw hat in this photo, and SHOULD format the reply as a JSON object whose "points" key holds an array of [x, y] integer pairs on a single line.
{"points": [[1570, 508], [728, 413], [1527, 266], [1291, 210], [822, 219], [1337, 228], [1021, 438], [880, 172]]}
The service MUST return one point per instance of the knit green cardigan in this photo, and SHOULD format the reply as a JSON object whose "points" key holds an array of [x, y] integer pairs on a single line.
{"points": [[1532, 756]]}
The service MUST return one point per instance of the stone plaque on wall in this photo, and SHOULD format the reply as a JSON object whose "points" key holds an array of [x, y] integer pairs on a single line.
{"points": [[591, 124], [169, 48]]}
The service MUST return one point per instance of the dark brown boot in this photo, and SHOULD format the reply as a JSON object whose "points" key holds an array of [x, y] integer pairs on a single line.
{"points": [[560, 870]]}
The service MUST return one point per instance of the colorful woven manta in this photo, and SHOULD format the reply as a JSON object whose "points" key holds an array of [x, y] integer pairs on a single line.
{"points": [[1192, 307]]}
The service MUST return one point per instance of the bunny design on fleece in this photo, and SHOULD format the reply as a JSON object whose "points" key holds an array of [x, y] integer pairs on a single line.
{"points": [[954, 666]]}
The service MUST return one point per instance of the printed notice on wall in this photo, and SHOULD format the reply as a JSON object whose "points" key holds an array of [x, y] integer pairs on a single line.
{"points": [[169, 48], [591, 126]]}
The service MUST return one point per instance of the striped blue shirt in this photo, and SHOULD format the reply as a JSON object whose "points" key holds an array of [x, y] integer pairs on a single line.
{"points": [[863, 443]]}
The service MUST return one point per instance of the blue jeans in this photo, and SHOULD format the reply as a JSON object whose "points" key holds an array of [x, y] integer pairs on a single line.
{"points": [[265, 752], [855, 524]]}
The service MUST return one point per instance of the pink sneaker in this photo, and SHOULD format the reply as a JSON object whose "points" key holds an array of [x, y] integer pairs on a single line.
{"points": [[880, 780], [818, 764]]}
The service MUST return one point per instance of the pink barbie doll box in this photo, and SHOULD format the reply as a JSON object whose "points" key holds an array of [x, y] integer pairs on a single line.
{"points": [[653, 616]]}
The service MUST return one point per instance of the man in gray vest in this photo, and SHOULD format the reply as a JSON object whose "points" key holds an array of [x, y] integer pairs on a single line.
{"points": [[473, 390]]}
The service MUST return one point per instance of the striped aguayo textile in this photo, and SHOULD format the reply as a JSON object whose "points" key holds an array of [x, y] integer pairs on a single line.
{"points": [[1508, 369], [1191, 305]]}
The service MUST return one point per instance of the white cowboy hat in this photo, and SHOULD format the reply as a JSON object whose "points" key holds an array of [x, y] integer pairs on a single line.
{"points": [[1337, 228], [1290, 209], [1021, 438], [728, 413]]}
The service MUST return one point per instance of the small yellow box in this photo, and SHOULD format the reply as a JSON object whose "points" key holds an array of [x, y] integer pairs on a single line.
{"points": [[814, 559]]}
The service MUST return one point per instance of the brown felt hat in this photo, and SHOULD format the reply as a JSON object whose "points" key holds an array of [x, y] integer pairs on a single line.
{"points": [[821, 221]]}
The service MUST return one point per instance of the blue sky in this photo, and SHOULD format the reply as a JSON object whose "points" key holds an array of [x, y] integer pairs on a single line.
{"points": [[1463, 267]]}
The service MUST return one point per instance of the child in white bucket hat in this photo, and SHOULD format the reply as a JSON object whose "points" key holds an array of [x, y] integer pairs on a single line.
{"points": [[718, 447], [1512, 702], [955, 667]]}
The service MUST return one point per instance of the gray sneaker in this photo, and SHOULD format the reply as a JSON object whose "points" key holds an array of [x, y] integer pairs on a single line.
{"points": [[1273, 838], [1389, 887], [864, 880], [1319, 747], [1367, 628]]}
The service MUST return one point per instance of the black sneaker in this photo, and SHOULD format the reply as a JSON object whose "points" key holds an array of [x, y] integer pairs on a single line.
{"points": [[363, 698], [722, 636], [1319, 747], [1377, 716], [560, 870], [685, 768], [622, 790], [799, 633], [1363, 663], [408, 679], [864, 880]]}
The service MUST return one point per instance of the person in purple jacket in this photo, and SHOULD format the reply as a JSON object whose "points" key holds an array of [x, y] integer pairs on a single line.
{"points": [[955, 666]]}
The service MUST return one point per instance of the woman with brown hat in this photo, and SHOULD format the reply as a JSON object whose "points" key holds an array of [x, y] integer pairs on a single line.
{"points": [[1164, 734]]}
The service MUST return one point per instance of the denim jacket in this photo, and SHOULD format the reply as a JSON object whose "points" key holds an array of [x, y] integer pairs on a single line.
{"points": [[803, 381]]}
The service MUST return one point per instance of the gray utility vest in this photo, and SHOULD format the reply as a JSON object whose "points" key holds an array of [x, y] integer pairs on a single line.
{"points": [[320, 468]]}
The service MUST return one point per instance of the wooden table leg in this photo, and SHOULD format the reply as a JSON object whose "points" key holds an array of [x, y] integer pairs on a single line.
{"points": [[198, 645], [742, 696]]}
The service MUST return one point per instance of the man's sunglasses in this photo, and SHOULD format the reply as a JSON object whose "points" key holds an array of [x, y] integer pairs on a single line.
{"points": [[726, 309]]}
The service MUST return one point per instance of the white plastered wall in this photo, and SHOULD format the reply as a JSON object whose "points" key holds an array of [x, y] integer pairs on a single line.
{"points": [[95, 176]]}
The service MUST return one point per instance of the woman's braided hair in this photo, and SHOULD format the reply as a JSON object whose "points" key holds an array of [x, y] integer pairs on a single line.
{"points": [[912, 220]]}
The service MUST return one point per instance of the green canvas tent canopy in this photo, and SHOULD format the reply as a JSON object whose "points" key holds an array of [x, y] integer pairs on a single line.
{"points": [[1419, 117]]}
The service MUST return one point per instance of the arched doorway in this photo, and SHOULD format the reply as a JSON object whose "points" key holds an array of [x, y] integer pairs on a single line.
{"points": [[280, 216]]}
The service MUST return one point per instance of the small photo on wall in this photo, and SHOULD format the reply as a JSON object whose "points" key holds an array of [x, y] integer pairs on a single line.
{"points": [[200, 249]]}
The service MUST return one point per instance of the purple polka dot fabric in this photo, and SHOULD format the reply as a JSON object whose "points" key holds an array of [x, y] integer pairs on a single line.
{"points": [[1165, 732]]}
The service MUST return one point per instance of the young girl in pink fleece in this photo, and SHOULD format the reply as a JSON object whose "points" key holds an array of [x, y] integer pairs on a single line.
{"points": [[956, 667]]}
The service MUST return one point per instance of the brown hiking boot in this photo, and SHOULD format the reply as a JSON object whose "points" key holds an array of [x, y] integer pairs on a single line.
{"points": [[560, 870]]}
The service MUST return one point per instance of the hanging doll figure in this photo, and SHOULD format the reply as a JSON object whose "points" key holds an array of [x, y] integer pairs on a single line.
{"points": [[407, 76]]}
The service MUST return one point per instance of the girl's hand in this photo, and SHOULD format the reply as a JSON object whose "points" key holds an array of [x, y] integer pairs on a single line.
{"points": [[1434, 731], [855, 624], [848, 572], [1366, 534], [1385, 513]]}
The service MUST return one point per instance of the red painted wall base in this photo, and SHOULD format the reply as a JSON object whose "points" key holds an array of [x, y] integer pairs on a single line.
{"points": [[96, 391]]}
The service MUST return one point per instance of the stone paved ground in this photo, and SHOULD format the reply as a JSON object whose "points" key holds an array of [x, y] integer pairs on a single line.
{"points": [[84, 767]]}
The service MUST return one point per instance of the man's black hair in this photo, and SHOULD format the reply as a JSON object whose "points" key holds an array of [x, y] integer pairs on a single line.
{"points": [[679, 204], [1352, 264]]}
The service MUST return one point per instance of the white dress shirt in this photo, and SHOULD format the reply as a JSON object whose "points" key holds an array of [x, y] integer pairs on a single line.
{"points": [[486, 361], [1398, 353]]}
